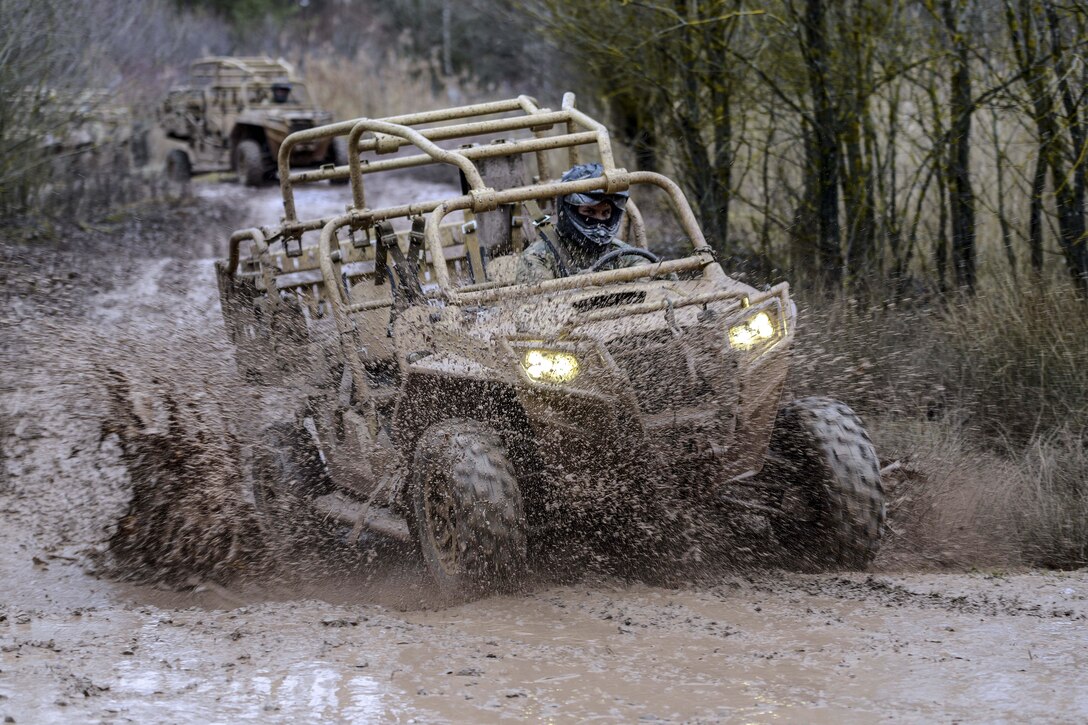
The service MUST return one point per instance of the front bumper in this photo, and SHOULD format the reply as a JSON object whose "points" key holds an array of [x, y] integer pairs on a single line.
{"points": [[672, 395]]}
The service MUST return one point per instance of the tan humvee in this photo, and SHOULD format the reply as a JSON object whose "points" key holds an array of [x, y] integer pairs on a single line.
{"points": [[449, 406], [234, 113]]}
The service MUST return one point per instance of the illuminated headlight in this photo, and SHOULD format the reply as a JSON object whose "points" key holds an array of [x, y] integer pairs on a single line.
{"points": [[756, 329], [550, 366]]}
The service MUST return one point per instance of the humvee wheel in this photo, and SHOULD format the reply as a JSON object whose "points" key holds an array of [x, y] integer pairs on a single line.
{"points": [[832, 504], [467, 509], [249, 163], [178, 167]]}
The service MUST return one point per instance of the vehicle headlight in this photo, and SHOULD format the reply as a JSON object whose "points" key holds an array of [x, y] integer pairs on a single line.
{"points": [[756, 329], [549, 366]]}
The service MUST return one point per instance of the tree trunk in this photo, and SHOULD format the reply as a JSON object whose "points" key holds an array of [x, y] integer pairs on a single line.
{"points": [[826, 154], [1002, 217], [804, 234], [1035, 215], [961, 194], [1069, 192]]}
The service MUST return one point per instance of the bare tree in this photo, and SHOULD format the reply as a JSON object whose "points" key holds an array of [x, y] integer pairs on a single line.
{"points": [[1038, 31]]}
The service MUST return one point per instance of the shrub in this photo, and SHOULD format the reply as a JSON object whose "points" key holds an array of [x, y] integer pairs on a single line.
{"points": [[984, 403], [1054, 522], [882, 358], [373, 86], [1020, 361], [949, 504]]}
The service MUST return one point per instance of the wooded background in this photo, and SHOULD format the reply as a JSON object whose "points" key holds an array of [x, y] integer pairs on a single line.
{"points": [[901, 144]]}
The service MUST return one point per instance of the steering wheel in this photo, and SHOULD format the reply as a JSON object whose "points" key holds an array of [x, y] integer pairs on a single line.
{"points": [[626, 251]]}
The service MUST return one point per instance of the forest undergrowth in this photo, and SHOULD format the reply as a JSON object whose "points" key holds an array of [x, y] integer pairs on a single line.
{"points": [[980, 406]]}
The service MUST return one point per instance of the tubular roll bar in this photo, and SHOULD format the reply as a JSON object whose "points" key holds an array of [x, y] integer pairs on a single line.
{"points": [[329, 246], [254, 235], [703, 258], [394, 132]]}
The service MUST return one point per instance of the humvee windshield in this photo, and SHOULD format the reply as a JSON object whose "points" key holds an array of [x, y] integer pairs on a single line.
{"points": [[296, 94]]}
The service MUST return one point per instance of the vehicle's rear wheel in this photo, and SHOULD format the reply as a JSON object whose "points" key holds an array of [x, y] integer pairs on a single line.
{"points": [[249, 163], [178, 167], [467, 509], [338, 154], [286, 469], [832, 502]]}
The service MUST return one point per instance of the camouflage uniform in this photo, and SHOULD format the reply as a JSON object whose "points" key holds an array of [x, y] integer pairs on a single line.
{"points": [[542, 261]]}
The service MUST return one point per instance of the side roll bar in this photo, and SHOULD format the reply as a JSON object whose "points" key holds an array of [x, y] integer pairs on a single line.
{"points": [[253, 234]]}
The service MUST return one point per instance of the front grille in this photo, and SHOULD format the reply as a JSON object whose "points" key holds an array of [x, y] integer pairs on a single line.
{"points": [[301, 125], [671, 373]]}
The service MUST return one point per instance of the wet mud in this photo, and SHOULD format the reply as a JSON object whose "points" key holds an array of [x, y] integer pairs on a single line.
{"points": [[117, 390]]}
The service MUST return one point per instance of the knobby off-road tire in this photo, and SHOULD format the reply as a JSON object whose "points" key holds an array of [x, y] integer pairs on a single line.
{"points": [[249, 163], [467, 509], [833, 503], [178, 167]]}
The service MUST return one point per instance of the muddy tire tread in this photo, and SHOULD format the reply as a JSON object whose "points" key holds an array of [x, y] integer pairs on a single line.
{"points": [[831, 460], [487, 501], [178, 167], [286, 464]]}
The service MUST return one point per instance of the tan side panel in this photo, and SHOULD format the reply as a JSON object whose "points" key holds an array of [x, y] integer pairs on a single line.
{"points": [[373, 325]]}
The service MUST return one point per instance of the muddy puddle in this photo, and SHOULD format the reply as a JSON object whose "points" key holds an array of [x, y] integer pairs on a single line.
{"points": [[374, 645]]}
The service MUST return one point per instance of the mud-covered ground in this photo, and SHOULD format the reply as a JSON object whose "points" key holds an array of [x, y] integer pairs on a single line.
{"points": [[128, 309]]}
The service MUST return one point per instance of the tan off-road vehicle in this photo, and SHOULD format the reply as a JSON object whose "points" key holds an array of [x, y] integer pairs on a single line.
{"points": [[234, 113], [442, 403]]}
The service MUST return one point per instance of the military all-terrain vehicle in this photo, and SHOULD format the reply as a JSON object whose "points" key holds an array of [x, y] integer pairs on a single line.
{"points": [[444, 404], [234, 113]]}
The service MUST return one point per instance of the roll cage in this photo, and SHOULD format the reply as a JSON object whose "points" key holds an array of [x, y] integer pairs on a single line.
{"points": [[389, 135]]}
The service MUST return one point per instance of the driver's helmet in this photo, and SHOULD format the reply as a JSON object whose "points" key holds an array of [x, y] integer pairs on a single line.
{"points": [[280, 92], [586, 231]]}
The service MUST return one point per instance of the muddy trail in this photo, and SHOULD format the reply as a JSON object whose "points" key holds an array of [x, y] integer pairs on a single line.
{"points": [[114, 373]]}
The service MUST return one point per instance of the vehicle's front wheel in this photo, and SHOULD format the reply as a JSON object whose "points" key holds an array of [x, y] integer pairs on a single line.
{"points": [[249, 163], [467, 509], [832, 502]]}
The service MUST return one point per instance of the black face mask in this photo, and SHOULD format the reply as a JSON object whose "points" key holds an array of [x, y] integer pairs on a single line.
{"points": [[586, 231]]}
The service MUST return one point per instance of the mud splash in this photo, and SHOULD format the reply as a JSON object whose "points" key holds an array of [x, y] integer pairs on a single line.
{"points": [[188, 521]]}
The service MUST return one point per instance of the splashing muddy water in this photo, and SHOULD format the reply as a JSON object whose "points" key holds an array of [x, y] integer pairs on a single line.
{"points": [[371, 643]]}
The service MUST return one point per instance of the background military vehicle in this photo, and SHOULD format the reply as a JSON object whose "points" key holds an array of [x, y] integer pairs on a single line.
{"points": [[234, 113], [437, 401]]}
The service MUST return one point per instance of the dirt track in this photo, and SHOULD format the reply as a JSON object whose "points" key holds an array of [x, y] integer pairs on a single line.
{"points": [[744, 648]]}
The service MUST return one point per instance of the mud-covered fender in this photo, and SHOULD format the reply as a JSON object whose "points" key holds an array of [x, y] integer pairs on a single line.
{"points": [[442, 386]]}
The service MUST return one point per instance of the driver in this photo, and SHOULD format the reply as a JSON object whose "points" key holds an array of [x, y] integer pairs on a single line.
{"points": [[281, 92], [586, 231]]}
